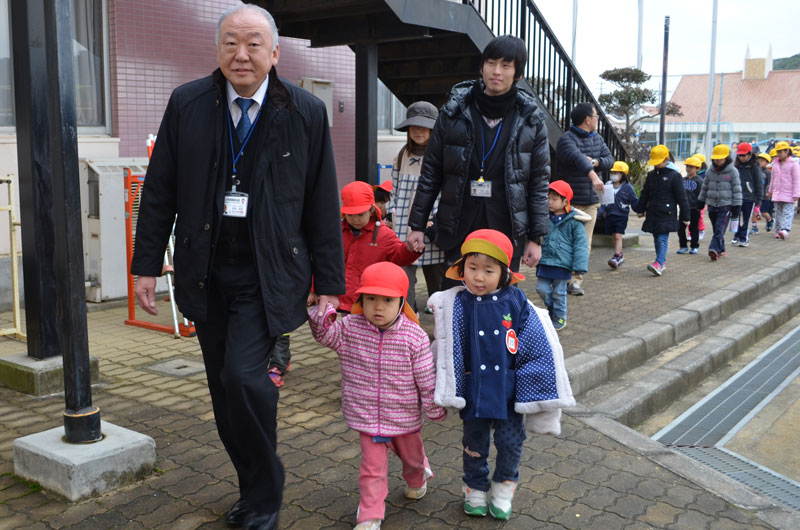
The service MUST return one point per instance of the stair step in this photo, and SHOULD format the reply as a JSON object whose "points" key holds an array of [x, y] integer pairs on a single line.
{"points": [[643, 390]]}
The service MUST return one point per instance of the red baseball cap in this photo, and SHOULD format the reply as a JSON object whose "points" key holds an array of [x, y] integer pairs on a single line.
{"points": [[357, 197], [385, 279], [744, 148]]}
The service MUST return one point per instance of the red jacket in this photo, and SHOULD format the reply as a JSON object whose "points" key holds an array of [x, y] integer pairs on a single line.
{"points": [[365, 249]]}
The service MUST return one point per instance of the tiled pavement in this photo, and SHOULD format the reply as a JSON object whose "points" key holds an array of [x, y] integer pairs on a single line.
{"points": [[581, 479]]}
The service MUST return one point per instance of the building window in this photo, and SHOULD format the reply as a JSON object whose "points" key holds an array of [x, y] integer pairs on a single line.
{"points": [[390, 111], [88, 64]]}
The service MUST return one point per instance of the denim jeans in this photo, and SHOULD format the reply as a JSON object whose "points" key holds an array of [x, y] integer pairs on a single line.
{"points": [[554, 295], [508, 438], [719, 216], [661, 241]]}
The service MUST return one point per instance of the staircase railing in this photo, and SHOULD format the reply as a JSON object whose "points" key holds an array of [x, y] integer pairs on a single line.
{"points": [[550, 72]]}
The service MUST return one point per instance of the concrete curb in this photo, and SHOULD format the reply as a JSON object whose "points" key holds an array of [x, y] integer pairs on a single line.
{"points": [[604, 362], [640, 396], [709, 479]]}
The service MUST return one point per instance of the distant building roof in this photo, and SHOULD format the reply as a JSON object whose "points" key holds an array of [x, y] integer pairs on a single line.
{"points": [[775, 99]]}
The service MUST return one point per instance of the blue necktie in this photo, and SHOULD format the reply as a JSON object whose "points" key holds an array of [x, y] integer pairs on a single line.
{"points": [[244, 122]]}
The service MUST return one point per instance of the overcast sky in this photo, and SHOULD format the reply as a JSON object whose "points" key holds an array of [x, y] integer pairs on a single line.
{"points": [[607, 34]]}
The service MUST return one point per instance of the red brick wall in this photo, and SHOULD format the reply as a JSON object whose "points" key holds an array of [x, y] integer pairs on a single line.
{"points": [[157, 45]]}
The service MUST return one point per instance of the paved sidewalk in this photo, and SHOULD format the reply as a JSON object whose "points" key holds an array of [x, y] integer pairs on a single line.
{"points": [[597, 474]]}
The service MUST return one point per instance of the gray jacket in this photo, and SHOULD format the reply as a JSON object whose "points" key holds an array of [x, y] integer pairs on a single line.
{"points": [[721, 187]]}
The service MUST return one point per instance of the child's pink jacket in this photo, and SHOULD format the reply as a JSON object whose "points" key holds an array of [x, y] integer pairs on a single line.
{"points": [[785, 183], [387, 378]]}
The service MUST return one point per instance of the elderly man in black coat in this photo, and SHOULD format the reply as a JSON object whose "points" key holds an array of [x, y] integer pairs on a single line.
{"points": [[245, 161], [581, 153]]}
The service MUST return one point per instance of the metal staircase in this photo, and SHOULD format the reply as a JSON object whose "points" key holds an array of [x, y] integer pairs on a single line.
{"points": [[424, 47]]}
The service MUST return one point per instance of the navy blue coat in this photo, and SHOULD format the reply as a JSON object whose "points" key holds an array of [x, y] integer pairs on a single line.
{"points": [[662, 193], [574, 147]]}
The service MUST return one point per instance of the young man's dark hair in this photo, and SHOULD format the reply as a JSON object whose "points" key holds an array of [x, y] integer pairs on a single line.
{"points": [[580, 113], [507, 48]]}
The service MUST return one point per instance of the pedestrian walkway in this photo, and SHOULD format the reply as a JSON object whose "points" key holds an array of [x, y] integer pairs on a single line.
{"points": [[596, 474]]}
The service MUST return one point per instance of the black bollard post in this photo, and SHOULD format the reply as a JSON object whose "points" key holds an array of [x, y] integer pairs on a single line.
{"points": [[50, 118]]}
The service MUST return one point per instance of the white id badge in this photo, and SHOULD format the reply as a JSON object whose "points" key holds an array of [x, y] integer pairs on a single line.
{"points": [[235, 204], [480, 189]]}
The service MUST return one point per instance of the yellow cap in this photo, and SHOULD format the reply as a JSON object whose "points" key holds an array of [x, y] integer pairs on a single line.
{"points": [[620, 167], [720, 152], [773, 152], [693, 161], [782, 145], [701, 157], [765, 156], [658, 154]]}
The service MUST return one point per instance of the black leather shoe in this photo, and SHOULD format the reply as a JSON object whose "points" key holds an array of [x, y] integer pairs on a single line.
{"points": [[261, 521], [238, 513]]}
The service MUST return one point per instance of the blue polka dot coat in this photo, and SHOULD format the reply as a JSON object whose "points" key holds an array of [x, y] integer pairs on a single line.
{"points": [[499, 351]]}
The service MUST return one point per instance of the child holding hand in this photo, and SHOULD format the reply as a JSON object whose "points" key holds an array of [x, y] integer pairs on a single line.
{"points": [[387, 381], [497, 358]]}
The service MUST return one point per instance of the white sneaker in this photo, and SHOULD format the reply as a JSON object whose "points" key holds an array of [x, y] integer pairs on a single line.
{"points": [[418, 493], [475, 502], [500, 497], [372, 524]]}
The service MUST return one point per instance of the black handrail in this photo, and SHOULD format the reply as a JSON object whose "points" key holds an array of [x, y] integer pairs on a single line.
{"points": [[550, 71]]}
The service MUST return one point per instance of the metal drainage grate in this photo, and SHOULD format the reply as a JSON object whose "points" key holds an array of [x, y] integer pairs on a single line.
{"points": [[722, 412], [178, 367], [703, 430], [749, 473]]}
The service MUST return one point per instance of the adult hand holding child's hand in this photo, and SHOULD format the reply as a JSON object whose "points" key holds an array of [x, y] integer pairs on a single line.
{"points": [[415, 242]]}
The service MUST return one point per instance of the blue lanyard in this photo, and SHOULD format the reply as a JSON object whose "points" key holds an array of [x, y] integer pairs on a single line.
{"points": [[484, 154], [247, 139]]}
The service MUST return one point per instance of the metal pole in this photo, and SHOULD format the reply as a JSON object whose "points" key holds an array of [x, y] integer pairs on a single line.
{"points": [[719, 110], [664, 83], [707, 139], [81, 418], [639, 47], [574, 27]]}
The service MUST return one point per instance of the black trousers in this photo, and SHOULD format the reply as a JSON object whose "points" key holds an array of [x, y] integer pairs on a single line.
{"points": [[236, 348], [694, 222]]}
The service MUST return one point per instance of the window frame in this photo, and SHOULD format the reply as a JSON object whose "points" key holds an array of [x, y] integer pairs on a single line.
{"points": [[89, 130]]}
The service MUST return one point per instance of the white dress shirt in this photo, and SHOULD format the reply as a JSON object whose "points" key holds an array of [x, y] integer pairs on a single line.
{"points": [[236, 110]]}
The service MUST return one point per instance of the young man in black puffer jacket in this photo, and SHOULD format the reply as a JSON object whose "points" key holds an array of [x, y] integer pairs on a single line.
{"points": [[581, 154]]}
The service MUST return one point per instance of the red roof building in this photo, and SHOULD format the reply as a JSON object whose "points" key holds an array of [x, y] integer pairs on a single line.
{"points": [[758, 104]]}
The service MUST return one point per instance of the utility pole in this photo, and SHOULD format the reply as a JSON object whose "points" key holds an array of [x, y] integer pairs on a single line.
{"points": [[574, 27], [707, 140], [664, 83], [639, 47]]}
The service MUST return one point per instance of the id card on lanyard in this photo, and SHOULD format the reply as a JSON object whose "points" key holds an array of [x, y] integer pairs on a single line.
{"points": [[481, 187], [235, 203]]}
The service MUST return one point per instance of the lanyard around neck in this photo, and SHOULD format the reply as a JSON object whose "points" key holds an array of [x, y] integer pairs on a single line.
{"points": [[484, 154], [244, 143]]}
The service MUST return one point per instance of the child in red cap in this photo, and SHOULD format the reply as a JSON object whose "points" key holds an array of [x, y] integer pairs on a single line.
{"points": [[387, 372], [497, 358], [564, 251], [366, 240]]}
